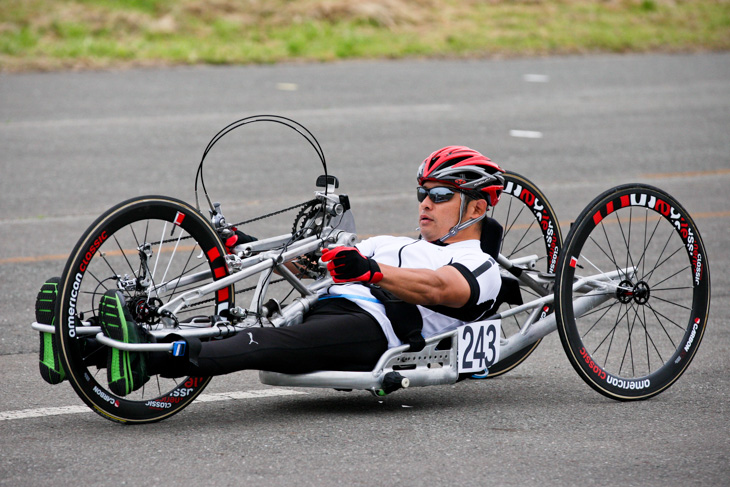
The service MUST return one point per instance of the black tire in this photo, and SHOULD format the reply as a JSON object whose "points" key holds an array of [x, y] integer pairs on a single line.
{"points": [[530, 228], [640, 341], [182, 242]]}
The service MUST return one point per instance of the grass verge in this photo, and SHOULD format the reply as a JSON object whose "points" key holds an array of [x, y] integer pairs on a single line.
{"points": [[68, 34]]}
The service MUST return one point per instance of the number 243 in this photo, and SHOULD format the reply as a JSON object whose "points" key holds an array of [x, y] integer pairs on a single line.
{"points": [[481, 346]]}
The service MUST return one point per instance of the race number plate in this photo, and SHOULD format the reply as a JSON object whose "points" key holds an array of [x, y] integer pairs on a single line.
{"points": [[478, 345]]}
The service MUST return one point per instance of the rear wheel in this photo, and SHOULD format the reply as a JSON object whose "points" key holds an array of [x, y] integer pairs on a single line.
{"points": [[649, 289], [530, 228], [151, 249]]}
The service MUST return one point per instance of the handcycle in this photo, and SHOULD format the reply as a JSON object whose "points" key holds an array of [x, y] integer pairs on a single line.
{"points": [[628, 291]]}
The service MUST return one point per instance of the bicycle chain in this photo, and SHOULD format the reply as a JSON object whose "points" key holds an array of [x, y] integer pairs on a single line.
{"points": [[299, 205], [306, 203]]}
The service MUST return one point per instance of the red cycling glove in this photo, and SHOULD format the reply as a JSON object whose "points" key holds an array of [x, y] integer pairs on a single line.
{"points": [[347, 264]]}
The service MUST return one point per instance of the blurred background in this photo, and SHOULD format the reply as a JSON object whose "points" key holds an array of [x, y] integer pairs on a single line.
{"points": [[78, 34]]}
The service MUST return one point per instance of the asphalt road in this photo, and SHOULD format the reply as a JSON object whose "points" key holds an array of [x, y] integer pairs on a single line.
{"points": [[74, 144]]}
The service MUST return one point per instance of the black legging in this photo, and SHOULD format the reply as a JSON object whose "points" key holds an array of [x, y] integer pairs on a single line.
{"points": [[336, 335]]}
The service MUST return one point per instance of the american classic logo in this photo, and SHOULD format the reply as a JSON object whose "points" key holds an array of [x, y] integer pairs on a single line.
{"points": [[627, 384]]}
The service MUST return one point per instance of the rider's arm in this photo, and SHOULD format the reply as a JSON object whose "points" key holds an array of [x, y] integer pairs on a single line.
{"points": [[444, 286], [453, 285]]}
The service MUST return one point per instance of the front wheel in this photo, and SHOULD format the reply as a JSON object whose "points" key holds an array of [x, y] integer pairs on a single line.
{"points": [[633, 292], [151, 249]]}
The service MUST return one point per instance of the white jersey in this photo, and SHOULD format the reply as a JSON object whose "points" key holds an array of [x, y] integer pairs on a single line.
{"points": [[479, 269]]}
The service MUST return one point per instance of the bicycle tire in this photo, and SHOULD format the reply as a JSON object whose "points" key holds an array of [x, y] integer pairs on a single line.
{"points": [[107, 256], [642, 338], [530, 227]]}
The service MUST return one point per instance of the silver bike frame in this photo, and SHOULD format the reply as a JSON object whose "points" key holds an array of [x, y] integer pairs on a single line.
{"points": [[435, 364]]}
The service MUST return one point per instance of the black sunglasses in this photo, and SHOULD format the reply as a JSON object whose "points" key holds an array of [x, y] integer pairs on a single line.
{"points": [[438, 194]]}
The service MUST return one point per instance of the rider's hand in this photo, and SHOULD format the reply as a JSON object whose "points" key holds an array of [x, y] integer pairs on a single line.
{"points": [[237, 238], [347, 264]]}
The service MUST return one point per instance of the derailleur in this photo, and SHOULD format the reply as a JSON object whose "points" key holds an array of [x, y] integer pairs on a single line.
{"points": [[143, 281]]}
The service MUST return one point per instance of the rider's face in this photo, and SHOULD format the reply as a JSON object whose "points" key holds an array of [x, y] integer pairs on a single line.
{"points": [[436, 219]]}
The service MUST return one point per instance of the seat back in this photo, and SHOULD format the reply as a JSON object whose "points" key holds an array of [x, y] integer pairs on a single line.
{"points": [[491, 238], [491, 242]]}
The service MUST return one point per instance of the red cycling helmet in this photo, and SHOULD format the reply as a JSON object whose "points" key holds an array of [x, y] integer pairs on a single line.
{"points": [[466, 169]]}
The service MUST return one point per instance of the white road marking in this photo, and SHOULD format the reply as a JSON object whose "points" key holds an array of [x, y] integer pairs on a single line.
{"points": [[287, 86], [36, 413], [536, 78], [226, 396], [219, 396], [526, 134]]}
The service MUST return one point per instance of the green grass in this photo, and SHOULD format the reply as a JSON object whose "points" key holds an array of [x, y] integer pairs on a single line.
{"points": [[61, 34]]}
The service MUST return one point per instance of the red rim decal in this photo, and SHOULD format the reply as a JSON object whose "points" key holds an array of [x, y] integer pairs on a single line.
{"points": [[213, 254], [223, 294], [597, 218], [179, 218]]}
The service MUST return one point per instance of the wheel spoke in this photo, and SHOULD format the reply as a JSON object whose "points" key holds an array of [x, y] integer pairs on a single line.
{"points": [[598, 320], [660, 262], [518, 244], [611, 329], [664, 329], [124, 254], [610, 256], [185, 271], [655, 284], [516, 251]]}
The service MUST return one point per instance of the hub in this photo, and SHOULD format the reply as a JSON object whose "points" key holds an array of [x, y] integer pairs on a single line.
{"points": [[641, 292], [145, 309], [628, 291], [625, 291]]}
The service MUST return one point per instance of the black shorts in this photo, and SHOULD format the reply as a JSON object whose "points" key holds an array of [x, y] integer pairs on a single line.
{"points": [[335, 335]]}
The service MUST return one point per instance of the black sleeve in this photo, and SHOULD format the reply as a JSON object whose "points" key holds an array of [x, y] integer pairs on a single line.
{"points": [[471, 311], [472, 280]]}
